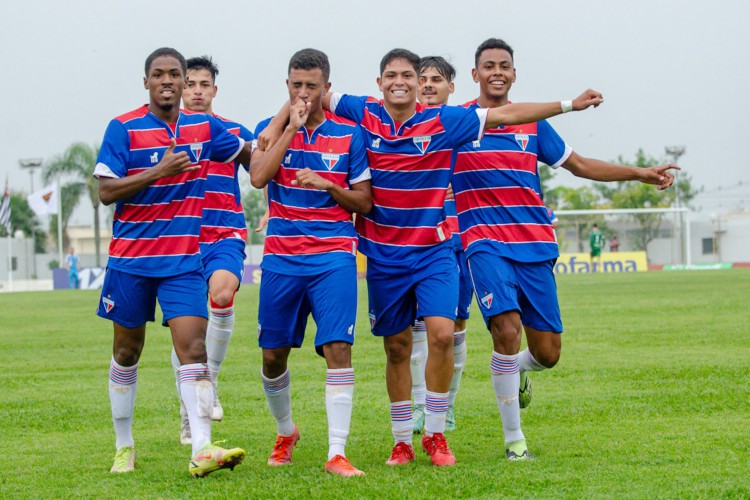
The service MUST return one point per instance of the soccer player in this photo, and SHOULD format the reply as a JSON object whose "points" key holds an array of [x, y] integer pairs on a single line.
{"points": [[223, 233], [508, 236], [317, 175], [435, 87], [406, 238], [153, 165], [596, 242]]}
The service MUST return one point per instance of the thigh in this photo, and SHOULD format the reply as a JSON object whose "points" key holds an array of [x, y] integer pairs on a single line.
{"points": [[127, 299], [333, 300], [183, 295], [392, 302], [495, 284], [227, 256], [539, 306], [283, 310]]}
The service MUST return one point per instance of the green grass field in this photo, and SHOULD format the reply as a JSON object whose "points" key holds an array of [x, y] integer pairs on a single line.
{"points": [[650, 399]]}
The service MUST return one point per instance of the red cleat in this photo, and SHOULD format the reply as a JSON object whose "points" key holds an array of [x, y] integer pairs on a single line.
{"points": [[341, 466], [282, 450], [402, 454], [437, 448]]}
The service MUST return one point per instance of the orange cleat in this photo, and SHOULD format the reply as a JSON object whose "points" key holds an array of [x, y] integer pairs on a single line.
{"points": [[282, 450], [437, 448], [402, 454], [341, 466]]}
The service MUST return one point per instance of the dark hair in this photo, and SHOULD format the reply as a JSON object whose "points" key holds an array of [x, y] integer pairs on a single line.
{"points": [[441, 66], [491, 43], [310, 59], [203, 62], [407, 55], [166, 51]]}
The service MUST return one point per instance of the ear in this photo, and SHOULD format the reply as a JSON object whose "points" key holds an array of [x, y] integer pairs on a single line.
{"points": [[379, 82], [514, 75], [474, 75], [145, 83], [216, 90], [451, 88], [327, 87]]}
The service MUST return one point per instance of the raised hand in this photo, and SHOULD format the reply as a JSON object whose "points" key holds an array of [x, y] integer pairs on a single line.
{"points": [[586, 99], [174, 163], [298, 113], [660, 176]]}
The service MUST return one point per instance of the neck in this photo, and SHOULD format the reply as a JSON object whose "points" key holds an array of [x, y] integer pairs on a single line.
{"points": [[315, 118], [167, 115], [492, 102], [401, 113]]}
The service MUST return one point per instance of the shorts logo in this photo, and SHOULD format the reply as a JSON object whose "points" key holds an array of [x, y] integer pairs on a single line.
{"points": [[330, 160], [108, 304], [288, 159], [154, 158], [197, 148], [422, 142], [259, 330], [372, 321], [487, 300], [475, 144], [350, 330], [522, 140], [376, 143]]}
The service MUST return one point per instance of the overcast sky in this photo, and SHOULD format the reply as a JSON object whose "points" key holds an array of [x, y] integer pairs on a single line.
{"points": [[673, 72]]}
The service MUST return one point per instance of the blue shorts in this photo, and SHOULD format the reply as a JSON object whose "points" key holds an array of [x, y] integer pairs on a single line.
{"points": [[395, 289], [228, 255], [503, 285], [465, 287], [286, 302], [130, 300]]}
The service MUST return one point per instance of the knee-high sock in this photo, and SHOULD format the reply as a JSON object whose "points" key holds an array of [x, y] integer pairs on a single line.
{"points": [[123, 385], [339, 394], [505, 380], [418, 362], [218, 333], [459, 359], [401, 424], [279, 399], [435, 411], [527, 363], [198, 394]]}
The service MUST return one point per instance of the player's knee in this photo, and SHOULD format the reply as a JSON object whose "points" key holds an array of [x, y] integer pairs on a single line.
{"points": [[126, 355], [274, 364], [548, 358], [441, 342], [397, 351], [222, 298]]}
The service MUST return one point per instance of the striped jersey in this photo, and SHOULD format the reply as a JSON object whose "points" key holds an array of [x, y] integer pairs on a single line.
{"points": [[451, 218], [499, 194], [222, 208], [411, 170], [155, 232], [308, 231]]}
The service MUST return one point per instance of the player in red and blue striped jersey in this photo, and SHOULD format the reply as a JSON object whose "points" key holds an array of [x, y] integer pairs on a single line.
{"points": [[317, 175], [509, 238], [406, 237], [223, 232], [153, 164]]}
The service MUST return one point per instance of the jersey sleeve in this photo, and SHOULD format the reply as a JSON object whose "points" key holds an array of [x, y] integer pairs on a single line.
{"points": [[348, 106], [262, 126], [247, 136], [463, 124], [359, 167], [552, 148], [225, 146], [114, 152]]}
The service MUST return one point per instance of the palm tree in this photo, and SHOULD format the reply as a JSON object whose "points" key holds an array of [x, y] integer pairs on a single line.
{"points": [[78, 161]]}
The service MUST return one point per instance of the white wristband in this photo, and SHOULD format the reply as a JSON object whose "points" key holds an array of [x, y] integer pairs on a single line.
{"points": [[567, 106]]}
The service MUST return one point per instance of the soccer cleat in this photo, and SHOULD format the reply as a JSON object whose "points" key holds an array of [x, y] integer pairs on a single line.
{"points": [[282, 450], [437, 448], [518, 451], [185, 436], [212, 458], [341, 466], [402, 454], [217, 412], [450, 419], [124, 460], [417, 419], [524, 392]]}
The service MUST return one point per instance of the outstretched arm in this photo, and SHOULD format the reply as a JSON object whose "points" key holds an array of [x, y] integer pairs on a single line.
{"points": [[516, 114], [598, 170]]}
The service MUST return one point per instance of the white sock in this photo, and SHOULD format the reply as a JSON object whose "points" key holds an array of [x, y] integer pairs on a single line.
{"points": [[527, 363], [435, 411], [418, 362], [401, 425], [218, 333], [123, 385], [198, 394], [505, 381], [176, 369], [459, 360], [279, 399], [339, 394]]}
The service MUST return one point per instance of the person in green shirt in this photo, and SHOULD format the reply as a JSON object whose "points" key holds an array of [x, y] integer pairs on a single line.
{"points": [[596, 241]]}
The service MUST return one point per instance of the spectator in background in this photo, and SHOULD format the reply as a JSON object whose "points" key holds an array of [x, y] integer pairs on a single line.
{"points": [[71, 264], [614, 244]]}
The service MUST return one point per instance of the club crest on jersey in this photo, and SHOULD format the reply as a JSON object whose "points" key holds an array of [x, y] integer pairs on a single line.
{"points": [[330, 160], [376, 143], [196, 148], [288, 159], [475, 144], [422, 142], [108, 304], [522, 140], [487, 300], [154, 158]]}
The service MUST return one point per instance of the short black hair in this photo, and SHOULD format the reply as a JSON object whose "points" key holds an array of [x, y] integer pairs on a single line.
{"points": [[308, 59], [166, 51], [407, 55], [204, 62], [491, 43], [441, 66]]}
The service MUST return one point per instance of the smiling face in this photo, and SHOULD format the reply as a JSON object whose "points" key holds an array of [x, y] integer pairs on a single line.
{"points": [[199, 91], [399, 84], [495, 74], [434, 88], [165, 82]]}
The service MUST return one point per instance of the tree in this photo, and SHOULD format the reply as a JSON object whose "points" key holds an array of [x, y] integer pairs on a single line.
{"points": [[582, 198], [254, 205], [78, 162], [22, 217]]}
